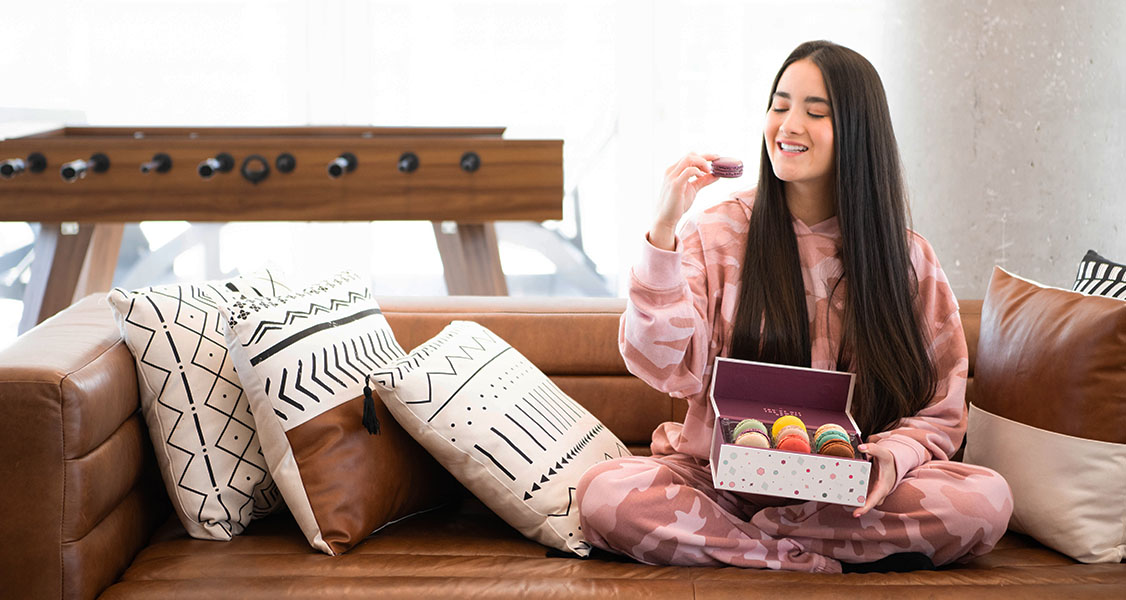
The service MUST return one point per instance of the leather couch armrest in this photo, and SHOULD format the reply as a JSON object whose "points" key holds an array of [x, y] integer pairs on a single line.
{"points": [[81, 494]]}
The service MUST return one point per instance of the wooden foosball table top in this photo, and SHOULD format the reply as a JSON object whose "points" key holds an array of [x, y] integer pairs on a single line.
{"points": [[456, 174]]}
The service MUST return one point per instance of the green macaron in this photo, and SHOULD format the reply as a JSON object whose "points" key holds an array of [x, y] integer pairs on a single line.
{"points": [[829, 434], [750, 425]]}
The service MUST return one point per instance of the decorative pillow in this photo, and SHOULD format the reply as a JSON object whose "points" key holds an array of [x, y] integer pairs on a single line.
{"points": [[1050, 413], [303, 358], [1099, 276], [199, 419], [501, 427]]}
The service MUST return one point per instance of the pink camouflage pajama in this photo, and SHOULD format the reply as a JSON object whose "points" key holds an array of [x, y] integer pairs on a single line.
{"points": [[663, 509]]}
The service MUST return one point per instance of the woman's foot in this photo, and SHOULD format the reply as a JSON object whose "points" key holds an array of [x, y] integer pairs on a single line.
{"points": [[894, 563]]}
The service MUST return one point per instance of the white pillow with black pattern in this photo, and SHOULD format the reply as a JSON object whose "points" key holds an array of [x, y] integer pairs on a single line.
{"points": [[1098, 276], [302, 358], [501, 427], [199, 419]]}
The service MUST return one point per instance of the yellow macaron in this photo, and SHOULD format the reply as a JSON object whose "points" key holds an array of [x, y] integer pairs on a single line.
{"points": [[783, 422]]}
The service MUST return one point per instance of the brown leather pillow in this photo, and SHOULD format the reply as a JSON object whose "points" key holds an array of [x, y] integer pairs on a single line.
{"points": [[1050, 412], [1053, 359]]}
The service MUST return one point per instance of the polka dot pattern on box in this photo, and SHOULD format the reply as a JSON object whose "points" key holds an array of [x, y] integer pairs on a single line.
{"points": [[792, 475]]}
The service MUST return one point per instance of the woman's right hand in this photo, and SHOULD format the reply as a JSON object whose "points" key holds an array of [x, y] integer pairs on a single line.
{"points": [[682, 180]]}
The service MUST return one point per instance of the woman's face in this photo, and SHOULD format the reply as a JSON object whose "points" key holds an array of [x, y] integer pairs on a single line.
{"points": [[799, 126]]}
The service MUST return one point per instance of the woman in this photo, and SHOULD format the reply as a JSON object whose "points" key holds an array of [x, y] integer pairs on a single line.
{"points": [[815, 268]]}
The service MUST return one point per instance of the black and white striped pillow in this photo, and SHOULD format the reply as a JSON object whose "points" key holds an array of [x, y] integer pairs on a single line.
{"points": [[1100, 277]]}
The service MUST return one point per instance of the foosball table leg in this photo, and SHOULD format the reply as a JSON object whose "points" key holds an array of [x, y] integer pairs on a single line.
{"points": [[69, 265], [470, 258]]}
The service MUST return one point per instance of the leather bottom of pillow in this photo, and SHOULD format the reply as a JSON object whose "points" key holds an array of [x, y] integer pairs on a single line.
{"points": [[357, 482]]}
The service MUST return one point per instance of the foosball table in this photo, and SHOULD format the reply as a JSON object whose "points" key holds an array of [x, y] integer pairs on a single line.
{"points": [[84, 183]]}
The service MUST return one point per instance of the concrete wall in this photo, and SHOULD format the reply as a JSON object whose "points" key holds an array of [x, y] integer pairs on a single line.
{"points": [[1011, 119]]}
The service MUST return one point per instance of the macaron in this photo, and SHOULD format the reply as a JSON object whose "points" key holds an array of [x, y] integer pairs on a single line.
{"points": [[837, 448], [753, 439], [750, 425], [789, 430], [793, 443], [828, 427], [784, 421], [727, 167], [823, 435], [794, 438]]}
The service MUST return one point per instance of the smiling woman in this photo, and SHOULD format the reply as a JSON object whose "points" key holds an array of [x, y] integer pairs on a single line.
{"points": [[833, 103], [813, 268], [799, 138]]}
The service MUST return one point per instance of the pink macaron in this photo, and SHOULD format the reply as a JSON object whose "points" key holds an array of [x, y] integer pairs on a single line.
{"points": [[727, 167]]}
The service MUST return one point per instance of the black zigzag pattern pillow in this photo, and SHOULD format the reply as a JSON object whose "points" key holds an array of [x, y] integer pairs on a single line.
{"points": [[203, 434], [1098, 276]]}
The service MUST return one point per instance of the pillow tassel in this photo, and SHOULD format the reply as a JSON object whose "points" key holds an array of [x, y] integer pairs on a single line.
{"points": [[371, 422]]}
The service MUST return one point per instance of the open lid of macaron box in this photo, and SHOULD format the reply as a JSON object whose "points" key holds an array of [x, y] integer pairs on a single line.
{"points": [[744, 389]]}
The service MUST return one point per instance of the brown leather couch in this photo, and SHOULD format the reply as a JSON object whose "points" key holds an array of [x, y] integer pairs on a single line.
{"points": [[84, 513]]}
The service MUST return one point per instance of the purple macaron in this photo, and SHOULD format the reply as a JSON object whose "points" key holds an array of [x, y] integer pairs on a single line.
{"points": [[727, 167]]}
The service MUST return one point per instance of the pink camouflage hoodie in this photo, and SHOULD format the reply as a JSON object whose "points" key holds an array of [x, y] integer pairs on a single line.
{"points": [[682, 306]]}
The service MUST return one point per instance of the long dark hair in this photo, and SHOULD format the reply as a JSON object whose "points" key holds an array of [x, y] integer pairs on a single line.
{"points": [[882, 340]]}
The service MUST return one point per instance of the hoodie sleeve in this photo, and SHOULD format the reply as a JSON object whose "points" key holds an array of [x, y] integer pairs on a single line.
{"points": [[665, 330], [935, 432]]}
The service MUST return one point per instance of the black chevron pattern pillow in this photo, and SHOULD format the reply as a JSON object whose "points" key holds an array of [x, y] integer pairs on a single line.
{"points": [[303, 358], [1098, 276]]}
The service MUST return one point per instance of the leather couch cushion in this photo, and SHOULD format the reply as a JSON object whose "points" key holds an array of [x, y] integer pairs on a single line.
{"points": [[302, 359], [535, 325], [970, 311], [465, 551], [1049, 413]]}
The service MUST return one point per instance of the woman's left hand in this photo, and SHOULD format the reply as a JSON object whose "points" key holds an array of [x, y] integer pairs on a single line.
{"points": [[880, 485]]}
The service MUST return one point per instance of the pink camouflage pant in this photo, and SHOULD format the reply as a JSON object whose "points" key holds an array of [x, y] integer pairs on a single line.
{"points": [[664, 510]]}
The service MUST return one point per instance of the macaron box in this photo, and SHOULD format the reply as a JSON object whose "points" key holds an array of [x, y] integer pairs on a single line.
{"points": [[743, 390]]}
